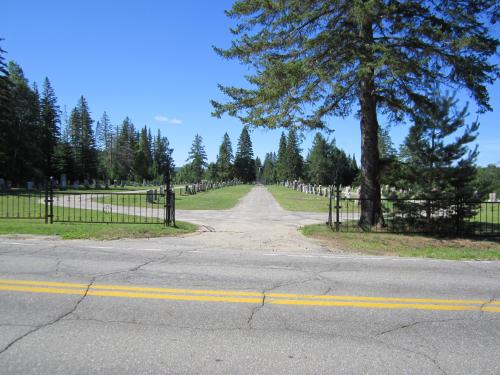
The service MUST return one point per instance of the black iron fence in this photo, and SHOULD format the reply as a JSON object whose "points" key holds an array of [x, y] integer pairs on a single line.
{"points": [[151, 207], [453, 217]]}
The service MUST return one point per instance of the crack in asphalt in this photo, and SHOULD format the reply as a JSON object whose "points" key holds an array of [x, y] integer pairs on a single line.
{"points": [[81, 299], [424, 355], [52, 322]]}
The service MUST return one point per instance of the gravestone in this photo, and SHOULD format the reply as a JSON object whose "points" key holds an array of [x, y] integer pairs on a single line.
{"points": [[29, 185], [3, 185], [76, 184], [149, 196], [64, 181], [493, 197], [162, 191], [86, 183], [156, 194], [144, 182], [106, 184]]}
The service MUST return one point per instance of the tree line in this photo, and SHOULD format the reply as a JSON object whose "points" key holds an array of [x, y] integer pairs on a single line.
{"points": [[325, 164], [38, 140]]}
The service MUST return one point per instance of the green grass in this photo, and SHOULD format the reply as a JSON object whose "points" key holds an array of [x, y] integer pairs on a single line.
{"points": [[93, 231], [218, 199], [406, 245], [292, 200]]}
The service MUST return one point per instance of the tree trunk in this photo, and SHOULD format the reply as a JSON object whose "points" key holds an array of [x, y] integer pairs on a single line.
{"points": [[371, 210]]}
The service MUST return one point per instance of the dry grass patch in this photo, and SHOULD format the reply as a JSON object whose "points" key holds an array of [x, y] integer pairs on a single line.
{"points": [[407, 245]]}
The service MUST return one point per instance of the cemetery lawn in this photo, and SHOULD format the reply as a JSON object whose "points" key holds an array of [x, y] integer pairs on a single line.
{"points": [[292, 200], [217, 199], [406, 245], [91, 230]]}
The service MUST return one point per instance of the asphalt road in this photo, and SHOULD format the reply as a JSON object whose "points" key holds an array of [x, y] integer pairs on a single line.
{"points": [[222, 301]]}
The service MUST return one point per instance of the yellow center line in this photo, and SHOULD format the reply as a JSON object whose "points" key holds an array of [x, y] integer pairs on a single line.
{"points": [[247, 297]]}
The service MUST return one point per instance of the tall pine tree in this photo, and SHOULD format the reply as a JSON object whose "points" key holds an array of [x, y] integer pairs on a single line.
{"points": [[282, 160], [295, 163], [225, 159], [197, 158], [50, 120], [244, 165], [375, 56]]}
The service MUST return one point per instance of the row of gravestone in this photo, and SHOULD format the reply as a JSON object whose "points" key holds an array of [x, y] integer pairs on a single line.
{"points": [[191, 189], [322, 191], [346, 191]]}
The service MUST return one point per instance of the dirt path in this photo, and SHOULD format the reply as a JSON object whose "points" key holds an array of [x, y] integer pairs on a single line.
{"points": [[256, 222]]}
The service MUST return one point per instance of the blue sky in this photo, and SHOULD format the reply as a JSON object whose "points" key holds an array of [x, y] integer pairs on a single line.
{"points": [[153, 61]]}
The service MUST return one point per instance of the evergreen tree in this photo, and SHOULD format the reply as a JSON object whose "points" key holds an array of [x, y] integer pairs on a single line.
{"points": [[104, 144], [244, 165], [225, 160], [390, 165], [435, 166], [143, 157], [162, 158], [26, 161], [282, 161], [63, 162], [331, 55], [83, 141], [318, 163], [211, 173], [438, 169], [269, 169], [294, 158], [124, 153], [6, 119], [197, 158], [50, 119]]}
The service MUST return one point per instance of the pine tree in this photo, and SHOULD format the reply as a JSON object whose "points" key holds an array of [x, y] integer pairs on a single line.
{"points": [[318, 163], [282, 161], [436, 166], [50, 119], [225, 159], [124, 151], [83, 141], [269, 169], [244, 165], [294, 159], [26, 161], [438, 169], [197, 158], [104, 144], [143, 157], [330, 56], [6, 119], [162, 158]]}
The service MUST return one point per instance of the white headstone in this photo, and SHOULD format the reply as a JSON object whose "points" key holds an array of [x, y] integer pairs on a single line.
{"points": [[493, 197]]}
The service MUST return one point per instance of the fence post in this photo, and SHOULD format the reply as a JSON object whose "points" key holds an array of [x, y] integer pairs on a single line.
{"points": [[173, 208], [46, 213], [51, 192], [337, 209], [330, 207]]}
